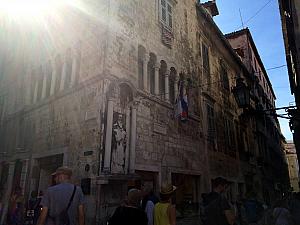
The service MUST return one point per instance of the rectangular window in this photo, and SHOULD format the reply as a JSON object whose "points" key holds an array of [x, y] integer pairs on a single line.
{"points": [[205, 58], [166, 13], [224, 77], [229, 134], [210, 122]]}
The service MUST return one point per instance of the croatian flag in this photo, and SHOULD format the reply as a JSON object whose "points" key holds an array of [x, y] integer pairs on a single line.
{"points": [[182, 103]]}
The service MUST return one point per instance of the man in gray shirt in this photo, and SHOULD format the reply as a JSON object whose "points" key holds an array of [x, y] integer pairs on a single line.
{"points": [[57, 197]]}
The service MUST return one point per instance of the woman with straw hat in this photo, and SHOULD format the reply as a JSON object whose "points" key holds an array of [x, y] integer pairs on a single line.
{"points": [[164, 211]]}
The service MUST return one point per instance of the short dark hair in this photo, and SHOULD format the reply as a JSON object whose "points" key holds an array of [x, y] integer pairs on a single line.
{"points": [[219, 181], [165, 197]]}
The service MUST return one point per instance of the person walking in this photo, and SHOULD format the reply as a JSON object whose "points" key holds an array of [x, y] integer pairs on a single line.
{"points": [[253, 208], [164, 211], [217, 209], [33, 209], [129, 213], [281, 214], [295, 208], [148, 203], [62, 203], [16, 208]]}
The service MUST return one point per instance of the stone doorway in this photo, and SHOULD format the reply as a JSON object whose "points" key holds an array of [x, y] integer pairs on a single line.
{"points": [[148, 180], [187, 197], [44, 168]]}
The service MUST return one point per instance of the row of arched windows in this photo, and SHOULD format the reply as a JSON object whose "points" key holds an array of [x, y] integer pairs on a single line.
{"points": [[56, 75], [156, 77]]}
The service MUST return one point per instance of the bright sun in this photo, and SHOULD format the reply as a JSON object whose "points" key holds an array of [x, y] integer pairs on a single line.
{"points": [[29, 8]]}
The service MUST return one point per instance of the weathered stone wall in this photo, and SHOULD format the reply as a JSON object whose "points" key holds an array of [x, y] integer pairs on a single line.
{"points": [[72, 121]]}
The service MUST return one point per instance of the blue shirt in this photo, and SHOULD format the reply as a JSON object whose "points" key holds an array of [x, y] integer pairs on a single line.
{"points": [[57, 198]]}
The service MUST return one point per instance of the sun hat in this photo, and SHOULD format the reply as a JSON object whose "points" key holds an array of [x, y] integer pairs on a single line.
{"points": [[167, 189], [63, 170]]}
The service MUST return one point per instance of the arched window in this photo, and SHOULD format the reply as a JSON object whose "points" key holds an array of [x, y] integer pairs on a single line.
{"points": [[151, 72], [58, 69], [32, 85], [172, 83], [40, 79], [162, 81], [141, 57], [68, 69], [48, 74]]}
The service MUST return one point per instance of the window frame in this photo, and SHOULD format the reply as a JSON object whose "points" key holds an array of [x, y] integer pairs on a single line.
{"points": [[211, 122], [206, 70], [169, 13], [224, 76]]}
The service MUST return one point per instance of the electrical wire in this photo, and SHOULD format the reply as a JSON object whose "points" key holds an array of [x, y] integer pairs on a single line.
{"points": [[255, 14], [221, 81]]}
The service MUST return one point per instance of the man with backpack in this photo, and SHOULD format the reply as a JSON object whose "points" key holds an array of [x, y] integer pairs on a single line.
{"points": [[253, 208], [62, 203], [217, 210]]}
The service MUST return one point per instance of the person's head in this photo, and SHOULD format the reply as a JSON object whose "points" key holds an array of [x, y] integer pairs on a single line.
{"points": [[281, 203], [251, 195], [62, 174], [147, 190], [220, 184], [134, 197], [34, 194], [166, 192], [18, 191]]}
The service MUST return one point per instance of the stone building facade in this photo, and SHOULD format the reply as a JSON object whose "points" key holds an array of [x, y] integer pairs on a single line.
{"points": [[268, 140], [290, 18], [99, 95], [292, 160]]}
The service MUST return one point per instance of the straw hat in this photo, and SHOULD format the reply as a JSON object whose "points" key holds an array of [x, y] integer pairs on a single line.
{"points": [[167, 189], [63, 170]]}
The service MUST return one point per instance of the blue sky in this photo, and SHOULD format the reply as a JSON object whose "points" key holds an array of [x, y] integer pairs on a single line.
{"points": [[265, 28]]}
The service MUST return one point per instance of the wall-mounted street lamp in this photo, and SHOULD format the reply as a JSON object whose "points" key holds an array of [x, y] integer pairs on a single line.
{"points": [[241, 94]]}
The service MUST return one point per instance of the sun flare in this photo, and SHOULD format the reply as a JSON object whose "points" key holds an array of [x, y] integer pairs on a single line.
{"points": [[25, 9]]}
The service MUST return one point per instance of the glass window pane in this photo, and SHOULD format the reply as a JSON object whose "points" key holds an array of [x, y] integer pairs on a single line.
{"points": [[163, 15], [170, 21], [169, 8]]}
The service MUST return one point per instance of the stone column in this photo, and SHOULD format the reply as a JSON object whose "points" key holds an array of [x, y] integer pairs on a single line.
{"points": [[28, 86], [128, 130], [156, 79], [145, 72], [44, 85], [63, 76], [167, 89], [25, 165], [53, 78], [132, 139], [176, 87], [108, 135], [74, 69], [36, 86], [7, 194]]}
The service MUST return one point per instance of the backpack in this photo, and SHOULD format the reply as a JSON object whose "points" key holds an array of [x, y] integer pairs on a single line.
{"points": [[253, 210], [268, 218], [213, 213], [63, 217]]}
